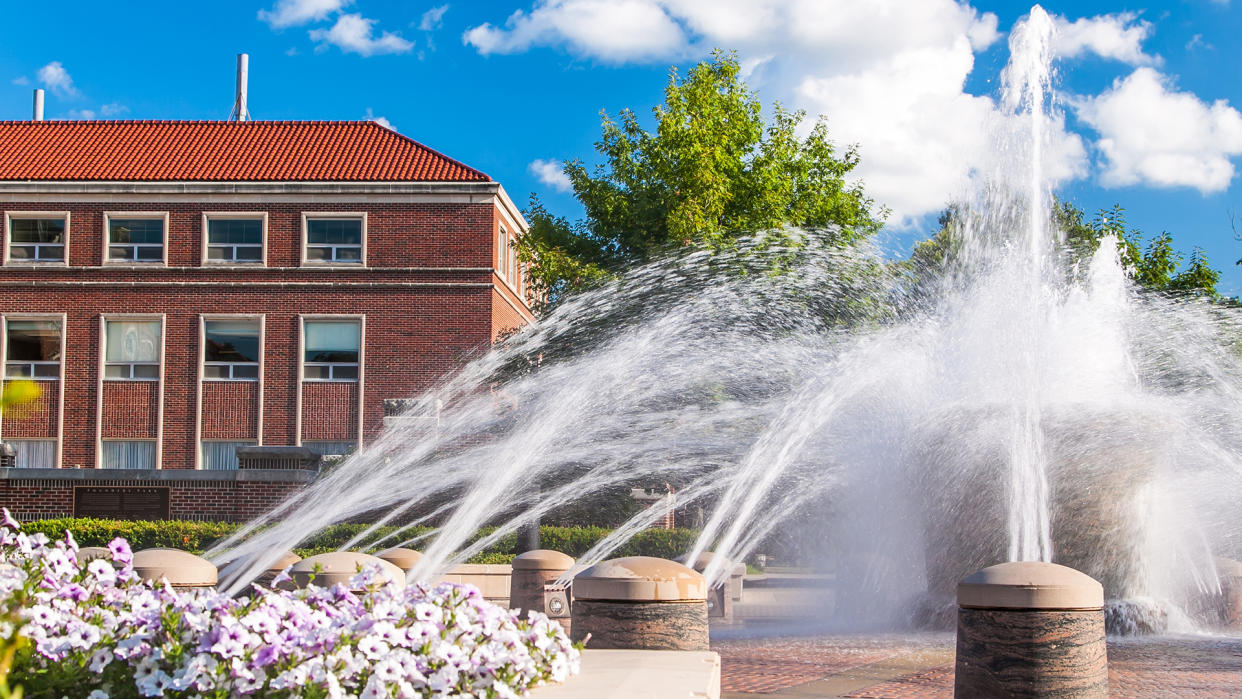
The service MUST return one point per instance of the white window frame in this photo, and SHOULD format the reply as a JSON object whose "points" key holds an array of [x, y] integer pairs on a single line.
{"points": [[307, 216], [341, 320], [61, 318], [203, 320], [234, 215], [502, 252], [4, 345], [362, 375], [103, 348], [9, 216], [202, 353], [149, 215]]}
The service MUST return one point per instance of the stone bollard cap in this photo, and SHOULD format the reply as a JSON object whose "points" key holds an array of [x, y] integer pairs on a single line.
{"points": [[1228, 568], [286, 560], [705, 559], [1030, 585], [543, 559], [639, 579], [86, 554], [339, 567], [179, 568], [403, 558]]}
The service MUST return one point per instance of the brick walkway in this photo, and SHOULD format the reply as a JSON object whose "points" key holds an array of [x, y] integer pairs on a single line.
{"points": [[895, 667]]}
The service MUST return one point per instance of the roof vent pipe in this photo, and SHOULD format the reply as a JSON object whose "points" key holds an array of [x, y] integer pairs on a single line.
{"points": [[240, 112], [38, 105]]}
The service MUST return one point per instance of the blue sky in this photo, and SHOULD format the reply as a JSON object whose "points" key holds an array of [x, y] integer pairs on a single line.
{"points": [[1151, 92]]}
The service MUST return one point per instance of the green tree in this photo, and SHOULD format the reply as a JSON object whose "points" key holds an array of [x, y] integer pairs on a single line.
{"points": [[713, 170]]}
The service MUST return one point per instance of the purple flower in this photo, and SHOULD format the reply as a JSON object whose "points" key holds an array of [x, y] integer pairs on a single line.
{"points": [[120, 551]]}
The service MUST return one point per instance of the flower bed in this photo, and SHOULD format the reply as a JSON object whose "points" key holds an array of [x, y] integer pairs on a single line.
{"points": [[98, 631]]}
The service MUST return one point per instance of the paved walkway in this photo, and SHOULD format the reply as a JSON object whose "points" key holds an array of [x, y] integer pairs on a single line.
{"points": [[893, 667]]}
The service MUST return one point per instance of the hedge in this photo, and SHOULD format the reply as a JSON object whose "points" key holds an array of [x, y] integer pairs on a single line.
{"points": [[199, 536]]}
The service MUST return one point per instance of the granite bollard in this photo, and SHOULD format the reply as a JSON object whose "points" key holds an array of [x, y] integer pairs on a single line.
{"points": [[403, 558], [1030, 629], [181, 569], [328, 569], [532, 571], [640, 603]]}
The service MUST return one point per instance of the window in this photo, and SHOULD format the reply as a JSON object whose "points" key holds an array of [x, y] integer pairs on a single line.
{"points": [[132, 350], [231, 350], [502, 252], [331, 350], [129, 455], [237, 240], [135, 239], [37, 239], [331, 448], [222, 456], [32, 349], [337, 240], [34, 453]]}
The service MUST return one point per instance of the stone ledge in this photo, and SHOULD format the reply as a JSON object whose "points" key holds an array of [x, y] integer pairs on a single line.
{"points": [[144, 476], [641, 674]]}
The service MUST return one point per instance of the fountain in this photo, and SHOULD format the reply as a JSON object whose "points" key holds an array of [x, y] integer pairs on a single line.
{"points": [[1017, 405]]}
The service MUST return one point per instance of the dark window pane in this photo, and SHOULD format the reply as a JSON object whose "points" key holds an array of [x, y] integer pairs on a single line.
{"points": [[215, 371], [317, 253], [52, 252], [146, 371], [235, 231], [34, 340], [116, 371], [231, 341], [47, 371], [349, 254], [345, 372], [330, 231], [314, 373], [218, 253], [245, 371], [17, 370], [21, 252], [120, 252], [38, 230], [335, 356], [136, 230], [150, 254], [250, 254]]}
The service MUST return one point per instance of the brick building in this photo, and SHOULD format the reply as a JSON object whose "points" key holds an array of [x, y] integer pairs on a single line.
{"points": [[183, 289]]}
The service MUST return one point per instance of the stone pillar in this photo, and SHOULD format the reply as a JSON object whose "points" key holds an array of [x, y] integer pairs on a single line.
{"points": [[403, 558], [1030, 630], [181, 569], [640, 603], [339, 567], [1230, 574], [732, 592], [531, 572]]}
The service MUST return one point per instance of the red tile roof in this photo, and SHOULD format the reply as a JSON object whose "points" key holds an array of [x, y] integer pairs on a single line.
{"points": [[220, 151]]}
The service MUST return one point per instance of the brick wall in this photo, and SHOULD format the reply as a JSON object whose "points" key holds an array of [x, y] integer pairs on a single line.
{"points": [[230, 410], [224, 501]]}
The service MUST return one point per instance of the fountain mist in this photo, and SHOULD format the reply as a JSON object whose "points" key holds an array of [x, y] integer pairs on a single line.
{"points": [[900, 427]]}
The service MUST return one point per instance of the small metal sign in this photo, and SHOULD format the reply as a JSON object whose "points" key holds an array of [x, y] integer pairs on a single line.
{"points": [[121, 502]]}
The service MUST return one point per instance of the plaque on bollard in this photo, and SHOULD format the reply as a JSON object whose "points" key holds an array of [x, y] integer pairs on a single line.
{"points": [[556, 601]]}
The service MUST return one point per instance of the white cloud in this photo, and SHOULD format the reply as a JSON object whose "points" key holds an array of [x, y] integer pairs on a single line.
{"points": [[551, 173], [55, 78], [431, 19], [353, 33], [21, 80], [370, 116], [83, 114], [113, 109], [614, 30], [293, 13], [890, 76], [1151, 134], [1118, 37]]}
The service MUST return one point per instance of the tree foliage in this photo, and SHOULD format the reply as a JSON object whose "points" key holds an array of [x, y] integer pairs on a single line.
{"points": [[712, 170]]}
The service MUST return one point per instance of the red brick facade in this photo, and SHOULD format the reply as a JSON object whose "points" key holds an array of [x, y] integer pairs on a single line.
{"points": [[427, 297]]}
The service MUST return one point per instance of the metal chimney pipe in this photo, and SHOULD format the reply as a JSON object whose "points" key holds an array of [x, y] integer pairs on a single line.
{"points": [[38, 105], [240, 112]]}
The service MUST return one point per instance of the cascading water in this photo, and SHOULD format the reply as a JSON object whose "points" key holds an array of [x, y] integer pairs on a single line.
{"points": [[900, 427]]}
